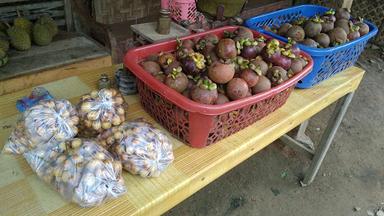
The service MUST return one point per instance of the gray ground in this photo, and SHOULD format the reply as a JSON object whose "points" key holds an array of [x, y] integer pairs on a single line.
{"points": [[350, 182]]}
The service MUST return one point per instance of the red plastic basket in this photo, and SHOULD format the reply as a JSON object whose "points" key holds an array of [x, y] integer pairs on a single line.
{"points": [[200, 125]]}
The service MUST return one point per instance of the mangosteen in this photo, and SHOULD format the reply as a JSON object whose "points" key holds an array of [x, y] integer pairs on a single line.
{"points": [[151, 67], [329, 16], [309, 42], [323, 40], [277, 75], [343, 23], [243, 33], [313, 27], [237, 88], [364, 28], [304, 62], [296, 33], [205, 92], [327, 26], [153, 57], [170, 67], [221, 99], [166, 59], [220, 72], [300, 21], [264, 84], [250, 76], [189, 44], [271, 50], [212, 38], [177, 80], [337, 36], [284, 29], [342, 13], [247, 48], [353, 33], [258, 65], [226, 49], [193, 64], [160, 76], [211, 57], [296, 66], [292, 46]]}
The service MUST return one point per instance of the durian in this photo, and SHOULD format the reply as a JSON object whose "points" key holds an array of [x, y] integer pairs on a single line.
{"points": [[3, 27], [20, 39], [23, 23], [41, 34], [3, 58], [50, 23], [4, 45]]}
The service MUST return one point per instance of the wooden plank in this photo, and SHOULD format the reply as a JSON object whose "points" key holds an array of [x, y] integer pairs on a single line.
{"points": [[347, 4], [192, 168], [68, 14]]}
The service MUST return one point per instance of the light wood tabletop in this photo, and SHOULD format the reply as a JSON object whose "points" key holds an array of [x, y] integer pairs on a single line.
{"points": [[22, 193]]}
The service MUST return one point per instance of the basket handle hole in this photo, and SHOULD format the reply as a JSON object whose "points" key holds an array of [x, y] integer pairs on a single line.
{"points": [[300, 81]]}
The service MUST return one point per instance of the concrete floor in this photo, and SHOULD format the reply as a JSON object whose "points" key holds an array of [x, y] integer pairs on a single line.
{"points": [[350, 181]]}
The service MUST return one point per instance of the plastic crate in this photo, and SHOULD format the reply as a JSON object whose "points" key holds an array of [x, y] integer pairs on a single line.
{"points": [[198, 124], [327, 61]]}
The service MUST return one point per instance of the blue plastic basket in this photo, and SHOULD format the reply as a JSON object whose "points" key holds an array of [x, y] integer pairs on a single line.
{"points": [[327, 61]]}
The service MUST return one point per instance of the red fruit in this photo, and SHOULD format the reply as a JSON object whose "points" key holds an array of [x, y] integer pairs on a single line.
{"points": [[221, 73], [237, 88], [204, 96], [250, 77], [226, 49], [364, 28], [296, 66], [166, 59], [264, 84], [222, 99], [259, 64], [151, 67], [177, 80], [277, 75]]}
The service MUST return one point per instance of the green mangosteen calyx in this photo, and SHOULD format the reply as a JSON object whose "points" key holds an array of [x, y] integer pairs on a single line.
{"points": [[201, 44], [244, 42], [317, 19], [256, 69], [288, 53], [229, 34], [300, 21], [260, 38], [198, 59], [242, 62], [194, 78], [330, 12], [353, 28], [207, 84], [175, 72], [273, 46]]}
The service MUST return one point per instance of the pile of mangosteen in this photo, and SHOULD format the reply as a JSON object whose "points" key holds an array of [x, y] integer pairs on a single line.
{"points": [[331, 29], [213, 70]]}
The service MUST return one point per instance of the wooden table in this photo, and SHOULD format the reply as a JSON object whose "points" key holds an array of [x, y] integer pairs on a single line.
{"points": [[22, 193]]}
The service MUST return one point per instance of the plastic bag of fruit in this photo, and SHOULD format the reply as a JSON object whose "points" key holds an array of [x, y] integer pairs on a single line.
{"points": [[100, 110], [143, 149], [80, 170], [43, 125]]}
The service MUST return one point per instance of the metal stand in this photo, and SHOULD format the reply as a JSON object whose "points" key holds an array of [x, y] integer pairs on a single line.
{"points": [[326, 139]]}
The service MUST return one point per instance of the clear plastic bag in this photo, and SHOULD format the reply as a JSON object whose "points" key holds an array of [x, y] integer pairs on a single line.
{"points": [[80, 170], [100, 110], [48, 122], [142, 149]]}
